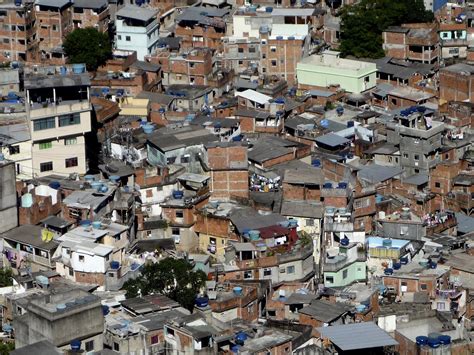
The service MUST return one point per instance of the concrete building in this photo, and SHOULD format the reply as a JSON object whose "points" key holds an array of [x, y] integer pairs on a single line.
{"points": [[62, 318], [329, 69], [418, 138], [59, 111], [414, 42], [453, 39], [8, 200], [19, 38], [91, 14], [137, 29], [456, 83]]}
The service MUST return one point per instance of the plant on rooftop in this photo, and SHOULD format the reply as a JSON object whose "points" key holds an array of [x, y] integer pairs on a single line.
{"points": [[88, 46], [174, 278], [362, 24]]}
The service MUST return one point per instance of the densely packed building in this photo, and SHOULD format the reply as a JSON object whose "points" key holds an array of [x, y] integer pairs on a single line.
{"points": [[326, 201]]}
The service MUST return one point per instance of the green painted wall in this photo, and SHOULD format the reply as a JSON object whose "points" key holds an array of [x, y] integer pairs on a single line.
{"points": [[350, 80], [355, 272]]}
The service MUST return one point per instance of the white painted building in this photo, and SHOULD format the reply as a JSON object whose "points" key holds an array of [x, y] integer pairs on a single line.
{"points": [[137, 29]]}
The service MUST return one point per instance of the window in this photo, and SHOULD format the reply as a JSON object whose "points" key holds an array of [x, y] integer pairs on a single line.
{"points": [[55, 28], [116, 347], [185, 158], [423, 287], [405, 155], [71, 162], [290, 269], [437, 185], [71, 271], [274, 63], [240, 50], [170, 160], [89, 345], [241, 62], [48, 166], [367, 79], [404, 230], [179, 214], [45, 145], [309, 222], [273, 48], [119, 37], [417, 171], [14, 149], [252, 50], [247, 274], [70, 141], [394, 101], [69, 120], [44, 123], [81, 258], [329, 279], [175, 233], [154, 339], [264, 56], [271, 313], [267, 272], [416, 157], [127, 38], [6, 40], [344, 274]]}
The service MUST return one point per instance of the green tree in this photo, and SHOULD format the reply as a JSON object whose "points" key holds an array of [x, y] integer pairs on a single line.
{"points": [[362, 24], [174, 278], [6, 348], [6, 277], [89, 46]]}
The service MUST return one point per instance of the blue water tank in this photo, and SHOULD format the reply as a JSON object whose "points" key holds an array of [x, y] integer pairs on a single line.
{"points": [[54, 185], [78, 68], [235, 349], [237, 290], [339, 110], [285, 224], [240, 338], [237, 138], [397, 266], [89, 178], [388, 271], [254, 235], [202, 301], [104, 188], [96, 224], [342, 185], [114, 265], [76, 345], [105, 310], [18, 2], [148, 128], [433, 265], [378, 198], [345, 241], [350, 124], [360, 308], [404, 260], [444, 339], [316, 162], [114, 178], [96, 185], [178, 195], [293, 223], [162, 110], [85, 223], [327, 185], [279, 100], [269, 9], [421, 340], [279, 38], [27, 200], [433, 343]]}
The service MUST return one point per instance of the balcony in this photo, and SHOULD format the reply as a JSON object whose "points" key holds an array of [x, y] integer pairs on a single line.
{"points": [[341, 261], [39, 110], [455, 42]]}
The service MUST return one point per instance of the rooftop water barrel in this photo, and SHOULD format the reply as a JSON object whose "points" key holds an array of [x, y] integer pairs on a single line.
{"points": [[2, 157], [350, 124], [178, 195], [421, 340], [7, 328], [148, 128], [78, 68], [104, 188], [269, 9], [433, 343], [404, 260], [42, 280], [240, 338], [345, 241], [60, 307], [76, 345], [327, 185], [114, 178], [360, 308], [202, 301], [18, 2], [388, 271], [279, 100], [291, 38], [26, 200], [324, 123], [55, 185], [444, 339], [96, 185], [96, 224], [378, 198], [316, 162], [85, 223], [293, 223], [342, 185], [105, 310], [329, 210], [433, 265], [162, 110], [284, 224], [397, 266], [252, 8], [235, 349], [237, 290], [339, 110], [114, 265], [63, 70], [279, 37], [387, 243], [237, 138], [342, 210], [89, 178], [254, 235]]}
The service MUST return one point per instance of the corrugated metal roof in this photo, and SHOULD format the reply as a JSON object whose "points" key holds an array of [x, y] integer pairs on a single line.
{"points": [[356, 336]]}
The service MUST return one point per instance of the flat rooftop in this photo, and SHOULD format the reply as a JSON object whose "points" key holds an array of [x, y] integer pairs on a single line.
{"points": [[333, 61]]}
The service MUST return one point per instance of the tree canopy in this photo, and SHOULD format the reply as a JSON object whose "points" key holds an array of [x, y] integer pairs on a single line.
{"points": [[174, 278], [89, 46], [362, 24], [6, 277]]}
